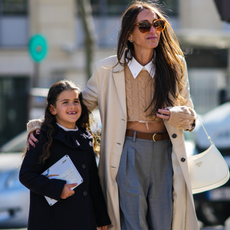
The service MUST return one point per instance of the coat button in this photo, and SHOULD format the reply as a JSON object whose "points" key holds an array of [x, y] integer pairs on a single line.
{"points": [[183, 159], [85, 193], [83, 166], [174, 135]]}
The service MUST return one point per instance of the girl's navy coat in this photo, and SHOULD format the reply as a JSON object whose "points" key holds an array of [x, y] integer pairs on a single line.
{"points": [[86, 209]]}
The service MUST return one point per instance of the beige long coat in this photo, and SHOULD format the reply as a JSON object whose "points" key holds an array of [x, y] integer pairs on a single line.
{"points": [[106, 90]]}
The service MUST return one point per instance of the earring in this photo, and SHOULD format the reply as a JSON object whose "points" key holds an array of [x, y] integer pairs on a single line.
{"points": [[131, 40]]}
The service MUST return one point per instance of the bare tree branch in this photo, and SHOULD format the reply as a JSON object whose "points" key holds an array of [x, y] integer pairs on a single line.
{"points": [[89, 30]]}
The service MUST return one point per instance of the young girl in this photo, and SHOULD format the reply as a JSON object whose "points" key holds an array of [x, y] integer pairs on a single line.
{"points": [[65, 130]]}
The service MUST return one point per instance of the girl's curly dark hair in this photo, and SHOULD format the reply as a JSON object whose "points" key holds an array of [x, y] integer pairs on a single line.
{"points": [[49, 121]]}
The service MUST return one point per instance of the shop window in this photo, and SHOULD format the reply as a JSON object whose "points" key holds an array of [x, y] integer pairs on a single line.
{"points": [[13, 106]]}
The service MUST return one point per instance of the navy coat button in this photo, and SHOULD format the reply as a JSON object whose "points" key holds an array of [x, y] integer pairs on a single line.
{"points": [[85, 193], [174, 135], [183, 159], [83, 166]]}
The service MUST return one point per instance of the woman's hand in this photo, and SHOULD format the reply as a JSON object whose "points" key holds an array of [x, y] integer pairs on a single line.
{"points": [[67, 191], [102, 228], [163, 113], [31, 138]]}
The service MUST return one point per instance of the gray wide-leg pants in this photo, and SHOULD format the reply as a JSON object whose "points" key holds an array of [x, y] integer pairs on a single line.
{"points": [[145, 184]]}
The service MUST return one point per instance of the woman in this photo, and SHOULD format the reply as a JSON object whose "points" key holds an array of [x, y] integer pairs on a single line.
{"points": [[144, 102]]}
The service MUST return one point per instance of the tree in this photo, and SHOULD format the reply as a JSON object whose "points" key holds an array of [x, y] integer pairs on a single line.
{"points": [[85, 10]]}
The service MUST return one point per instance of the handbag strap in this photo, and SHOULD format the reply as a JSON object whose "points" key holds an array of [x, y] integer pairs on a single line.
{"points": [[205, 130]]}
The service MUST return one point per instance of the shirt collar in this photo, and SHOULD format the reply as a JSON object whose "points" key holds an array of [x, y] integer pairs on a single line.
{"points": [[66, 129], [135, 68]]}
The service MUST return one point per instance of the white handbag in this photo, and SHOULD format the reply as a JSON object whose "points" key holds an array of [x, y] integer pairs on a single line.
{"points": [[208, 170]]}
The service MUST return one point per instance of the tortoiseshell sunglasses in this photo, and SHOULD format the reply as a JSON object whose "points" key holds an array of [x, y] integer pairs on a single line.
{"points": [[145, 26]]}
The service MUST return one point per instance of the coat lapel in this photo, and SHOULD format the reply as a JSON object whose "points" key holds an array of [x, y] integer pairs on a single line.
{"points": [[119, 79]]}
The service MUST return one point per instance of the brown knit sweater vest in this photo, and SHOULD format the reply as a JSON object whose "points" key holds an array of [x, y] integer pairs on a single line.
{"points": [[139, 94]]}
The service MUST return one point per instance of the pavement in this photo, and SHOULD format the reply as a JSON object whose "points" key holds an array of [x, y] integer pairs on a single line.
{"points": [[206, 228]]}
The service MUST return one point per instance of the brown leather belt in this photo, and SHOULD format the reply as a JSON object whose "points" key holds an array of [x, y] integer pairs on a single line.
{"points": [[148, 136]]}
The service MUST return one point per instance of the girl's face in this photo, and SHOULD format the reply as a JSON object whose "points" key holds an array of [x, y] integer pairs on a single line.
{"points": [[148, 40], [68, 108]]}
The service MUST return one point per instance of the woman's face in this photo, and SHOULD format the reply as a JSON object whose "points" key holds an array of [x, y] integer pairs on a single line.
{"points": [[148, 40]]}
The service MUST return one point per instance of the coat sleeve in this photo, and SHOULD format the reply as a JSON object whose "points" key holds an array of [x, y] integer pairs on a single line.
{"points": [[96, 194], [183, 117], [30, 175], [34, 124]]}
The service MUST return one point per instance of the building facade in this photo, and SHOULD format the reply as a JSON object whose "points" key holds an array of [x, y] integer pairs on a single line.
{"points": [[203, 36]]}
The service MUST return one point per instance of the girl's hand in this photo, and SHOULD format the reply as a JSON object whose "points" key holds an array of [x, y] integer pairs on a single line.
{"points": [[163, 113], [67, 192], [31, 139], [102, 228]]}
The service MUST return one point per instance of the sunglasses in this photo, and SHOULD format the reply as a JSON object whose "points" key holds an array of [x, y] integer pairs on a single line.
{"points": [[145, 26]]}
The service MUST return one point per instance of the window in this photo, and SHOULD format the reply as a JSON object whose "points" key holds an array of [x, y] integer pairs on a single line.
{"points": [[170, 7], [13, 7], [13, 23], [109, 7], [118, 7]]}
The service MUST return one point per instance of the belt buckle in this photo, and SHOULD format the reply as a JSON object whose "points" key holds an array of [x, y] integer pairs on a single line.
{"points": [[154, 137]]}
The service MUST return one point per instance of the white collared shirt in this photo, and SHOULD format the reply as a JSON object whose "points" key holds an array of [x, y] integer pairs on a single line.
{"points": [[66, 129], [135, 68]]}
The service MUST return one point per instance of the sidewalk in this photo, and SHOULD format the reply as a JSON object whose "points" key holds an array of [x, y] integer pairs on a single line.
{"points": [[14, 229], [207, 228]]}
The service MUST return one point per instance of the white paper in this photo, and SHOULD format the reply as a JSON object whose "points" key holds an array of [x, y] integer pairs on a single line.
{"points": [[66, 170]]}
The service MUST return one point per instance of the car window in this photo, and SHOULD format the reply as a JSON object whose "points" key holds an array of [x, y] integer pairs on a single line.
{"points": [[17, 144]]}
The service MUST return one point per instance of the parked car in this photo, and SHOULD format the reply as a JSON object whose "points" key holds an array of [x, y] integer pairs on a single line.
{"points": [[14, 197], [213, 207]]}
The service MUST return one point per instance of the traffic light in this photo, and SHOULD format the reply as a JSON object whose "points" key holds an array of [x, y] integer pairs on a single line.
{"points": [[223, 7]]}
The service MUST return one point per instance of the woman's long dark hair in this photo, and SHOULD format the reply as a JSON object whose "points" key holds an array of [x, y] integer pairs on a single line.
{"points": [[168, 62], [50, 120]]}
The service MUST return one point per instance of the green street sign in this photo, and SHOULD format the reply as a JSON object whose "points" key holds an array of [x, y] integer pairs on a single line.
{"points": [[38, 47]]}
